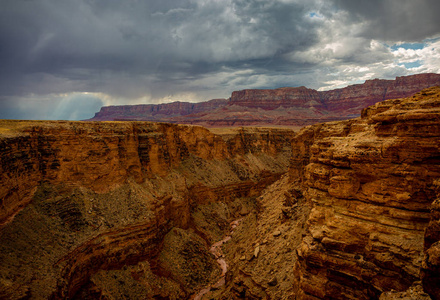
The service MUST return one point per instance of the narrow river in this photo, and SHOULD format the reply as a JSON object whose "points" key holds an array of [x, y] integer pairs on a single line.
{"points": [[216, 250]]}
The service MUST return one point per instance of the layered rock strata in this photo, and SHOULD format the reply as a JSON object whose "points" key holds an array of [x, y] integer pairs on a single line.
{"points": [[371, 182], [157, 112], [102, 156], [290, 106], [354, 218], [85, 203]]}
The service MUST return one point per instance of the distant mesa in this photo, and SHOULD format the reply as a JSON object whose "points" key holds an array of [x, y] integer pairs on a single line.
{"points": [[289, 106]]}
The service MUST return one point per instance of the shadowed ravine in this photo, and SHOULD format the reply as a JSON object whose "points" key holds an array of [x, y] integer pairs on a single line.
{"points": [[216, 250]]}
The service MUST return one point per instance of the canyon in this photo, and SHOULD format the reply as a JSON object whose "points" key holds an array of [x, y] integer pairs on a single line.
{"points": [[123, 209], [346, 209], [289, 106]]}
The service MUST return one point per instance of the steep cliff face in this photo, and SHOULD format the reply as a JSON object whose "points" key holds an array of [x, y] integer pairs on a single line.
{"points": [[371, 182], [85, 203], [271, 99], [284, 106], [352, 99], [96, 156], [156, 112]]}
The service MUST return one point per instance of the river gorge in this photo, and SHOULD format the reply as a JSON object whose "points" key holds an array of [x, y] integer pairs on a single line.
{"points": [[139, 210]]}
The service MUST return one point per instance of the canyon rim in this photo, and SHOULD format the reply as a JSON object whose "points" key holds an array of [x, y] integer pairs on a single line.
{"points": [[111, 210]]}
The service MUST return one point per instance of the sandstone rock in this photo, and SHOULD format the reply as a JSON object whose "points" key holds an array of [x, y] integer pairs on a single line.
{"points": [[86, 205], [244, 211], [156, 112], [103, 156], [256, 251], [413, 292], [276, 233], [371, 182], [138, 180], [273, 282], [276, 261]]}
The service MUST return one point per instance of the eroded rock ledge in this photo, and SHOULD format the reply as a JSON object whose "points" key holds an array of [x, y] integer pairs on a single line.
{"points": [[371, 182]]}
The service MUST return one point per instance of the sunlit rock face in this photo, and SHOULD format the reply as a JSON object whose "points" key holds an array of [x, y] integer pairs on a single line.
{"points": [[294, 106], [371, 182]]}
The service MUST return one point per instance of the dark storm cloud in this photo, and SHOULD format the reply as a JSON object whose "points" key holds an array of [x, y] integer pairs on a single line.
{"points": [[395, 20], [127, 51], [116, 38]]}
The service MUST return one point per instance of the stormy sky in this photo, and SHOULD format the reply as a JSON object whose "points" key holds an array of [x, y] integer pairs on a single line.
{"points": [[64, 59]]}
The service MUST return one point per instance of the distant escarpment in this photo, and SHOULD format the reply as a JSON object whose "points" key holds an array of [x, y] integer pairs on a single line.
{"points": [[373, 186], [290, 106], [122, 209], [156, 112]]}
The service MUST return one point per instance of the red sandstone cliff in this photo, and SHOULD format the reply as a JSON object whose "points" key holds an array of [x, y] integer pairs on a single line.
{"points": [[371, 182], [284, 106], [156, 112]]}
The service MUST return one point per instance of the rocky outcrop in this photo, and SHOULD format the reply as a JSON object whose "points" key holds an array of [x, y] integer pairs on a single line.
{"points": [[284, 106], [371, 182], [354, 218], [82, 200]]}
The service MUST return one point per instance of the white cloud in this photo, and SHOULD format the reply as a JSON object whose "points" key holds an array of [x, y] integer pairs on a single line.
{"points": [[428, 57]]}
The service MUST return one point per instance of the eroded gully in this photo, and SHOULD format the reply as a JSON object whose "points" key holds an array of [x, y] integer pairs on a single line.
{"points": [[216, 250]]}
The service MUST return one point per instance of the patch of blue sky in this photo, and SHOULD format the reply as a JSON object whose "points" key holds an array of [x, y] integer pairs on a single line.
{"points": [[410, 65], [406, 46], [433, 40], [314, 14], [414, 46]]}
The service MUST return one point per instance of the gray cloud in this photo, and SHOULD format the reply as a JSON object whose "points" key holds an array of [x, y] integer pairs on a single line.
{"points": [[395, 20], [152, 51]]}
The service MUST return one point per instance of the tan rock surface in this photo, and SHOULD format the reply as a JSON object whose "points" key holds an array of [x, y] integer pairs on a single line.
{"points": [[371, 182]]}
